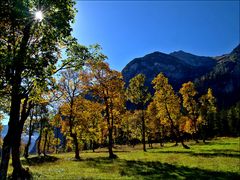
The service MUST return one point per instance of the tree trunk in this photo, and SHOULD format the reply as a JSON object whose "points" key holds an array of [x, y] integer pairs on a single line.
{"points": [[93, 146], [184, 145], [176, 128], [5, 157], [161, 140], [204, 133], [110, 130], [161, 143], [181, 139], [13, 137], [195, 136], [75, 141], [161, 133], [196, 133], [204, 136], [17, 167], [73, 135], [18, 171], [110, 144], [48, 143], [40, 137], [56, 150], [143, 131], [29, 138], [45, 143]]}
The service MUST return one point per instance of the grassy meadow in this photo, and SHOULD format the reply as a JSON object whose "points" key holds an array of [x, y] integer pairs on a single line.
{"points": [[218, 159]]}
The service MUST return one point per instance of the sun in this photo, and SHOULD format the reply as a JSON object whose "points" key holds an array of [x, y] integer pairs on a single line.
{"points": [[38, 15]]}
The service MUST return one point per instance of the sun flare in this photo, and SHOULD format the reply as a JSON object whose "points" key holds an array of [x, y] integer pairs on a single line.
{"points": [[39, 15]]}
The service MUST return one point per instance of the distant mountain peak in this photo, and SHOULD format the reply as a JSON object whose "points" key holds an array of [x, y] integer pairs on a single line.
{"points": [[179, 51], [221, 73], [156, 53], [192, 59], [236, 49]]}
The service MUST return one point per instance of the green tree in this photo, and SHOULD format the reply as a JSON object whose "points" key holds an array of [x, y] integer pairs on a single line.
{"points": [[29, 51], [138, 94]]}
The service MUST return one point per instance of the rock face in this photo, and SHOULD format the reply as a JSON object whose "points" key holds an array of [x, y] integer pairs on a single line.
{"points": [[197, 61], [221, 73], [224, 79], [176, 69]]}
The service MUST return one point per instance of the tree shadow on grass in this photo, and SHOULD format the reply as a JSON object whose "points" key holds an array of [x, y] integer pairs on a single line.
{"points": [[156, 170], [115, 151], [223, 150], [211, 154], [216, 154], [33, 161]]}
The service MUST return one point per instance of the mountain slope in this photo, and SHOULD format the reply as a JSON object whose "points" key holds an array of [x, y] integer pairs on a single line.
{"points": [[177, 70], [221, 73], [224, 79], [198, 61]]}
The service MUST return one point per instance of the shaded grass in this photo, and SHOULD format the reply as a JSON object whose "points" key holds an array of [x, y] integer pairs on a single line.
{"points": [[218, 159], [37, 160]]}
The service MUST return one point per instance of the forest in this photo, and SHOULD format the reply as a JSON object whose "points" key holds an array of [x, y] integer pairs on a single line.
{"points": [[75, 102]]}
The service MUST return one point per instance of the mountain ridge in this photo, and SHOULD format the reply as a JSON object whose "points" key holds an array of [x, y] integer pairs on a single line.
{"points": [[215, 72]]}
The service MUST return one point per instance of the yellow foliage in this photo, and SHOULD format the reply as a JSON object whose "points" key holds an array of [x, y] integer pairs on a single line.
{"points": [[167, 102]]}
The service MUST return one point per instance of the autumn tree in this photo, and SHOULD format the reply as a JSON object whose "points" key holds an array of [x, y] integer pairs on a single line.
{"points": [[108, 87], [191, 105], [137, 93], [207, 111], [155, 125], [131, 127], [168, 105], [69, 88], [93, 116], [29, 52], [70, 85]]}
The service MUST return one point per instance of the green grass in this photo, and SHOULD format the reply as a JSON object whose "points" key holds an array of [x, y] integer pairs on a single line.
{"points": [[218, 159]]}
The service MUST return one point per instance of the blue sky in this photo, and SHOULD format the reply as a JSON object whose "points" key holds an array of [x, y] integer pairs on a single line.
{"points": [[127, 30]]}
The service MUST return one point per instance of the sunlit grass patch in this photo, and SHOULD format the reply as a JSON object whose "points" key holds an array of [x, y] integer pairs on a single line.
{"points": [[218, 159]]}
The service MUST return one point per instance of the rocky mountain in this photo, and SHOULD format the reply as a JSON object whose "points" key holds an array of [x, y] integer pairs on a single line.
{"points": [[177, 70], [221, 73], [197, 61], [224, 79]]}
